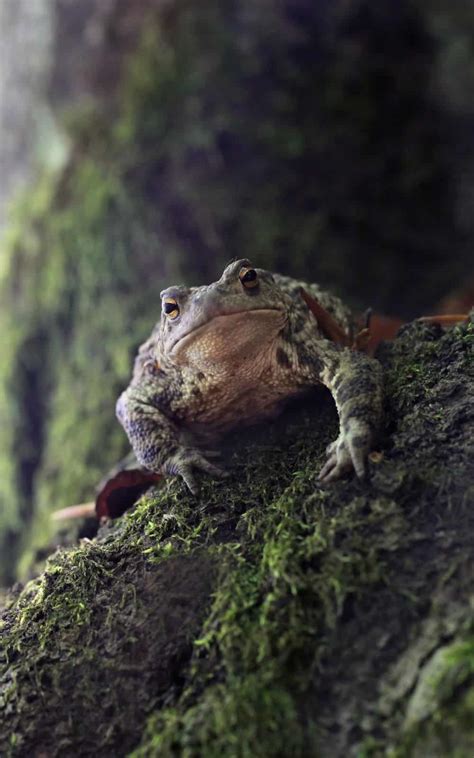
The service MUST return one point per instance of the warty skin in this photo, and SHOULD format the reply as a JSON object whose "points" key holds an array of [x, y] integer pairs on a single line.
{"points": [[231, 353]]}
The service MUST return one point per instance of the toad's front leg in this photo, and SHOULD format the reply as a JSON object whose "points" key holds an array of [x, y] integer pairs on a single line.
{"points": [[155, 439], [355, 381]]}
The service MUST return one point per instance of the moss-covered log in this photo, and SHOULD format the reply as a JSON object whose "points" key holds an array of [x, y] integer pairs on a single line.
{"points": [[270, 616]]}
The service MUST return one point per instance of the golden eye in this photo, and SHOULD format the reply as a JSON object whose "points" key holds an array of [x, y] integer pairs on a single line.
{"points": [[170, 307], [248, 277]]}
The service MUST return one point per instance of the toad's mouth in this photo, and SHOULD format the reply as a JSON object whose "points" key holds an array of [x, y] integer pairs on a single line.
{"points": [[275, 318]]}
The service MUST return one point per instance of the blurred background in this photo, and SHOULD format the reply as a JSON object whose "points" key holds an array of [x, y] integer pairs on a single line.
{"points": [[144, 143]]}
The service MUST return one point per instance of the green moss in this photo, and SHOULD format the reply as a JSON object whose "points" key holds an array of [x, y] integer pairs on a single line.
{"points": [[440, 714], [241, 718], [72, 327], [282, 592]]}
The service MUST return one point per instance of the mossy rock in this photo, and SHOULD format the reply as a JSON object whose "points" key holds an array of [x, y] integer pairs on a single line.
{"points": [[270, 616]]}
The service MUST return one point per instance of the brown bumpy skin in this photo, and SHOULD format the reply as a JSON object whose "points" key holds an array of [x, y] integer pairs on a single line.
{"points": [[248, 336]]}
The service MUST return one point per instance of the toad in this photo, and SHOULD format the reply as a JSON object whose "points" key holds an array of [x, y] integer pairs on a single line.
{"points": [[231, 353]]}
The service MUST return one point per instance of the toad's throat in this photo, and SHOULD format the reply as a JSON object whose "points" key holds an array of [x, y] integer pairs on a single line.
{"points": [[271, 318]]}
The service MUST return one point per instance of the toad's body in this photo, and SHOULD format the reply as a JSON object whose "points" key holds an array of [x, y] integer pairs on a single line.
{"points": [[231, 353]]}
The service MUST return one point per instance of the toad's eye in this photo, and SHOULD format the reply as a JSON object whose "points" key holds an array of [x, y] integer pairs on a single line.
{"points": [[248, 277], [170, 307]]}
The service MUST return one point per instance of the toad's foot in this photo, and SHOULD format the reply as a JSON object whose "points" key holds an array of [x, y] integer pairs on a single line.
{"points": [[348, 453], [183, 462]]}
